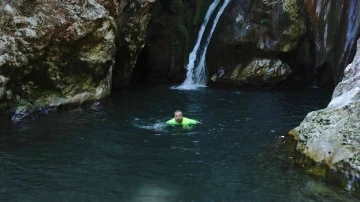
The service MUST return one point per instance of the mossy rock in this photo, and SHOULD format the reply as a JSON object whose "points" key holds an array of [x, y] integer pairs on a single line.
{"points": [[319, 169], [200, 12]]}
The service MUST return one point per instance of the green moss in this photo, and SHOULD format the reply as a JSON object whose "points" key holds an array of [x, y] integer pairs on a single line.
{"points": [[156, 10], [240, 25], [199, 15], [177, 6], [184, 33], [201, 9], [263, 21], [287, 47], [2, 106], [317, 170], [285, 20]]}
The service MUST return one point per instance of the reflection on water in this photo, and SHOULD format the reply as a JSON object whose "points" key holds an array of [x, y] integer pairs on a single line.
{"points": [[155, 193], [120, 150]]}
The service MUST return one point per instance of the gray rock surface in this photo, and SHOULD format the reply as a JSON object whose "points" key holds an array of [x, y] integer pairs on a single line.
{"points": [[55, 53], [257, 72], [130, 40], [331, 136]]}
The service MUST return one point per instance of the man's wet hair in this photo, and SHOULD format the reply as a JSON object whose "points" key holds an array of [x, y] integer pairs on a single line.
{"points": [[178, 111]]}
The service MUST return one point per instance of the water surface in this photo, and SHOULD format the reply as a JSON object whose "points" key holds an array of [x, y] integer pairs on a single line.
{"points": [[119, 150]]}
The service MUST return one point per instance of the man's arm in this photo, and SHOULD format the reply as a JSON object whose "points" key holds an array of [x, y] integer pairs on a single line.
{"points": [[192, 121]]}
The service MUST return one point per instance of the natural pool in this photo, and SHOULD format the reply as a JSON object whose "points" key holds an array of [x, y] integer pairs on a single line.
{"points": [[119, 150]]}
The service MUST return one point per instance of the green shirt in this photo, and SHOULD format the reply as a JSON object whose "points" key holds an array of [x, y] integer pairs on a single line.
{"points": [[185, 122]]}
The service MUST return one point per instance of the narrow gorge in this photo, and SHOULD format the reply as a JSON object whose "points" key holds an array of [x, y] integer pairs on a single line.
{"points": [[96, 68]]}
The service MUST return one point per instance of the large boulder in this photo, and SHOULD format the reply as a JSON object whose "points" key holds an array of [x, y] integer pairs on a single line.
{"points": [[269, 25], [258, 72], [327, 142], [54, 53], [256, 29]]}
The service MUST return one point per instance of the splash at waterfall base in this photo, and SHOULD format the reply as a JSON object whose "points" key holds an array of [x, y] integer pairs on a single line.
{"points": [[327, 142], [196, 75], [247, 71]]}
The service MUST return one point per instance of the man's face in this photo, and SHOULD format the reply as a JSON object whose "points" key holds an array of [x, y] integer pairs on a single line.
{"points": [[178, 117]]}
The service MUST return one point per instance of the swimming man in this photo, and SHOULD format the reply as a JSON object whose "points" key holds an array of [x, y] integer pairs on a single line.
{"points": [[179, 120]]}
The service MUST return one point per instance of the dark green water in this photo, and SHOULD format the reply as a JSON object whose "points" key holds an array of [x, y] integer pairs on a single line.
{"points": [[118, 150]]}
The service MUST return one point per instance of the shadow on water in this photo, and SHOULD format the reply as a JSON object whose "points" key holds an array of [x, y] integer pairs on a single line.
{"points": [[120, 149]]}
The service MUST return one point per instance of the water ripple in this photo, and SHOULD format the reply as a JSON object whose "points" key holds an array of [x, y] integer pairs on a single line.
{"points": [[120, 150]]}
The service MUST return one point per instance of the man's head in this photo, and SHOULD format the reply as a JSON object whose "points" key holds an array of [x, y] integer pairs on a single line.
{"points": [[178, 116]]}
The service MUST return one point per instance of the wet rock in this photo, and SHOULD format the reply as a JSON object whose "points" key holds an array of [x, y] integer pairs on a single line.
{"points": [[50, 59], [5, 94], [269, 25], [257, 72], [65, 55], [304, 34], [173, 28], [264, 26], [256, 29], [334, 29], [133, 23], [316, 38], [329, 138]]}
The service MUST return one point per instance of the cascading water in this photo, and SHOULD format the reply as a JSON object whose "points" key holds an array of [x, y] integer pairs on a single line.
{"points": [[196, 74], [193, 55], [200, 71]]}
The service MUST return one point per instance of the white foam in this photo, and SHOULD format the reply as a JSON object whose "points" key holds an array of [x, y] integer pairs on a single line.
{"points": [[197, 75], [156, 127], [188, 87], [193, 55]]}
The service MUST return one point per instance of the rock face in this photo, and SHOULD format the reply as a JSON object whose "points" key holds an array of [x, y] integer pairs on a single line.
{"points": [[266, 27], [132, 23], [49, 59], [334, 29], [253, 30], [172, 31], [269, 25], [331, 137], [52, 58], [257, 72], [304, 34]]}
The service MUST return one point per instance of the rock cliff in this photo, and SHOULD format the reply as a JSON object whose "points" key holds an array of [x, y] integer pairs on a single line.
{"points": [[55, 53], [327, 143]]}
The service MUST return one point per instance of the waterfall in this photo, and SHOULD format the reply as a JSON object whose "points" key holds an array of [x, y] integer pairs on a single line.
{"points": [[192, 57], [196, 74], [200, 73]]}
